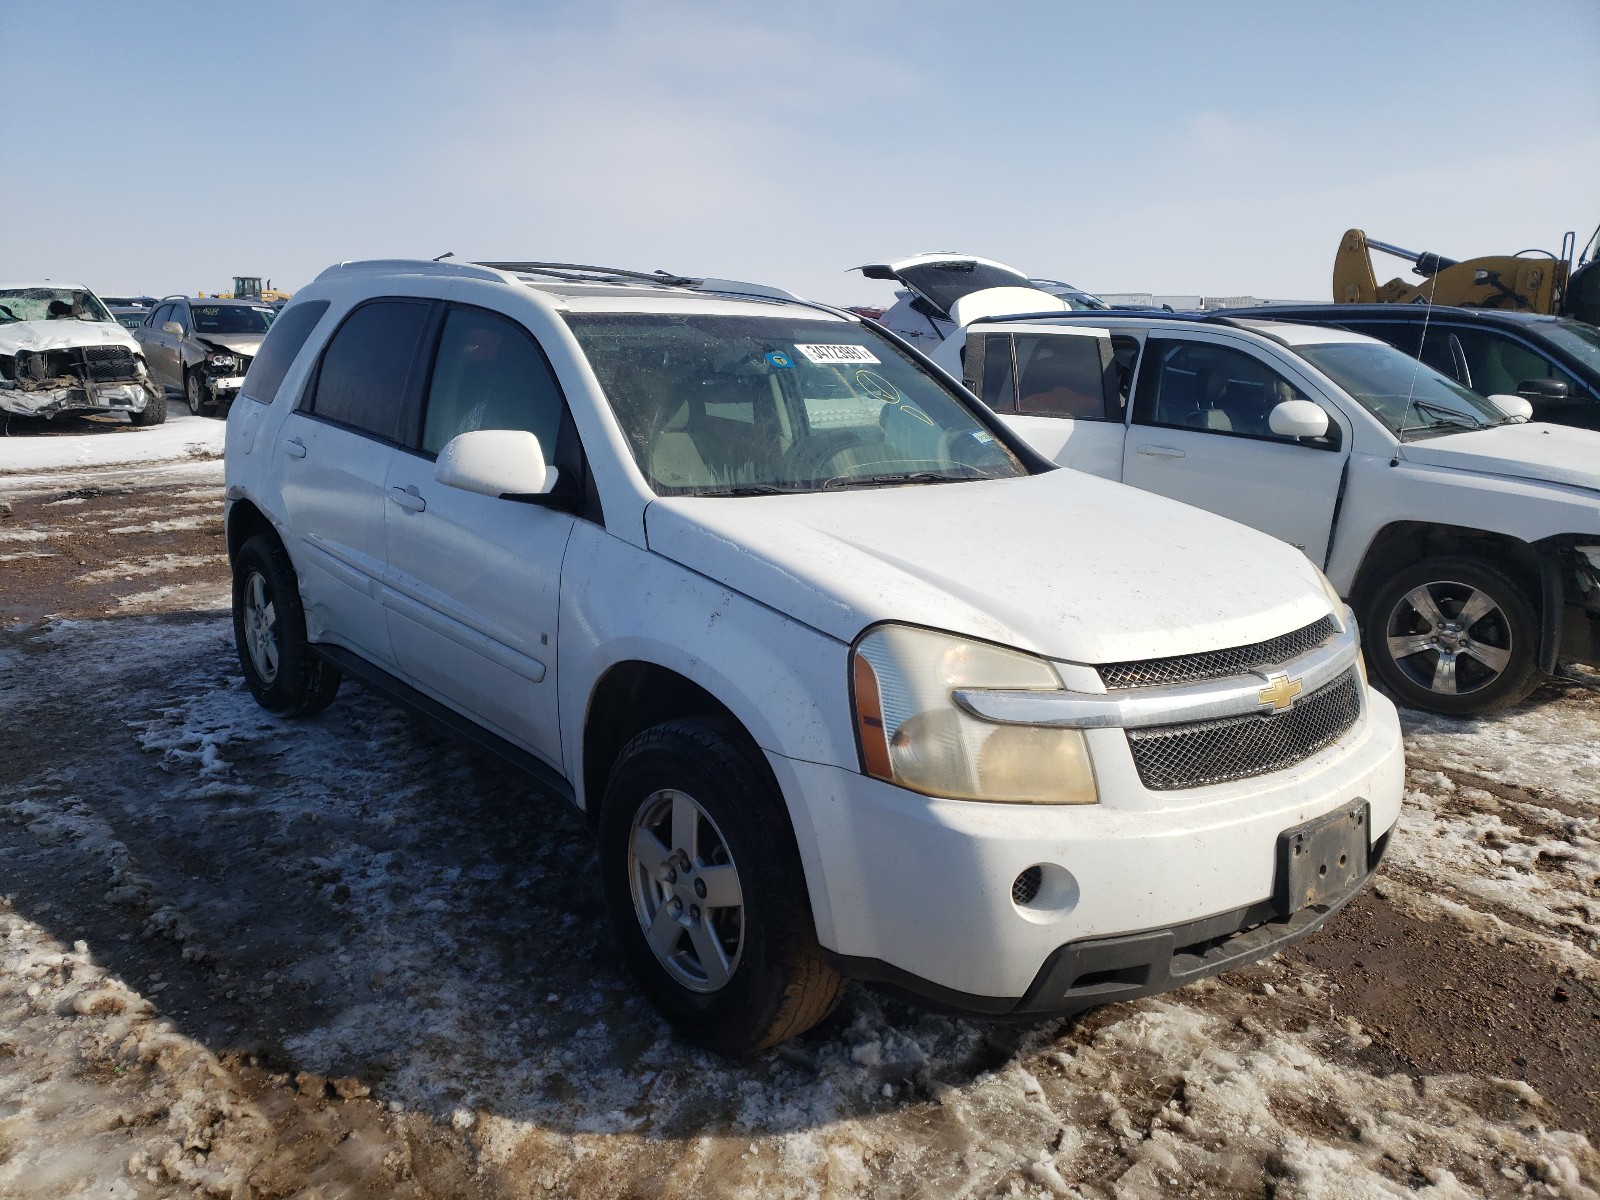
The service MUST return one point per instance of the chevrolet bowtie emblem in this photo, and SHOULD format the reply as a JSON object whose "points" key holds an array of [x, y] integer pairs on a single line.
{"points": [[1280, 693]]}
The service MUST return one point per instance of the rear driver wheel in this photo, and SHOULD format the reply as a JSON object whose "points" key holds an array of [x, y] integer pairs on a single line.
{"points": [[283, 672]]}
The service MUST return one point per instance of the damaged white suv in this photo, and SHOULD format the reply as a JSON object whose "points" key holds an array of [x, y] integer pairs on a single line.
{"points": [[62, 351], [848, 681]]}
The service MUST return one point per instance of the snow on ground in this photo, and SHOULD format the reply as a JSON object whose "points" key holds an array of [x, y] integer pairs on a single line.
{"points": [[357, 896], [108, 442], [1502, 822]]}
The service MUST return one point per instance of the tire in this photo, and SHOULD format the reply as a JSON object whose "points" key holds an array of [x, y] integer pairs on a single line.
{"points": [[155, 411], [282, 671], [734, 978], [1427, 658], [194, 391]]}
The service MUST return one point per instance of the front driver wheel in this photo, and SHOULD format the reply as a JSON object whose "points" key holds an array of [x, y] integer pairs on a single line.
{"points": [[282, 671], [706, 891], [194, 391], [1453, 635]]}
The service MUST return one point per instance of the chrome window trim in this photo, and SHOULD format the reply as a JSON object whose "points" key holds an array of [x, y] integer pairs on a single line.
{"points": [[1238, 695]]}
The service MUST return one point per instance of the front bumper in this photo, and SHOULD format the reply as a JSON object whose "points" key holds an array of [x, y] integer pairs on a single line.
{"points": [[49, 402], [225, 385], [917, 892]]}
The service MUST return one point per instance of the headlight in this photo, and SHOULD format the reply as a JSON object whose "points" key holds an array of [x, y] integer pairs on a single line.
{"points": [[222, 362], [913, 734]]}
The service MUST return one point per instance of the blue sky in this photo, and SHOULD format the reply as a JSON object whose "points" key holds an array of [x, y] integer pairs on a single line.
{"points": [[1180, 148]]}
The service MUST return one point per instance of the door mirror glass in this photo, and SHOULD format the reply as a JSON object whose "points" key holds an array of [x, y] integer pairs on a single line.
{"points": [[1298, 419], [1514, 407], [173, 328], [495, 462], [1544, 389]]}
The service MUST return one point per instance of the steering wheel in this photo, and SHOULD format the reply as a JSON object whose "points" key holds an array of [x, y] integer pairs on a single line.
{"points": [[805, 459]]}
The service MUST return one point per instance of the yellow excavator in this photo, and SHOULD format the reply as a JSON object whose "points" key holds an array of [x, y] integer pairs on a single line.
{"points": [[1532, 281]]}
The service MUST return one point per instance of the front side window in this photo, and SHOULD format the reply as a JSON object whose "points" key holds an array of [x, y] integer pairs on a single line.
{"points": [[489, 374], [1408, 396], [1216, 389], [278, 350], [1497, 364], [362, 379], [720, 405]]}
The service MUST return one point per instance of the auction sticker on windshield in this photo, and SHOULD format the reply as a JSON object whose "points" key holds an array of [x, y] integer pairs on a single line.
{"points": [[836, 353]]}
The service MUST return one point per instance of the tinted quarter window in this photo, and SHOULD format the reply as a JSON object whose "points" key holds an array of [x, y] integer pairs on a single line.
{"points": [[1197, 385], [362, 380], [489, 374], [999, 376], [1060, 376], [278, 349]]}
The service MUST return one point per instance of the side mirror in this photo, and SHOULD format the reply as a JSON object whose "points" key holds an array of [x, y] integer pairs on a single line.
{"points": [[172, 327], [1544, 389], [1298, 419], [495, 462], [1514, 407]]}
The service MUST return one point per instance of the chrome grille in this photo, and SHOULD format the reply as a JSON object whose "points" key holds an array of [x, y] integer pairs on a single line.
{"points": [[1217, 664], [1198, 753]]}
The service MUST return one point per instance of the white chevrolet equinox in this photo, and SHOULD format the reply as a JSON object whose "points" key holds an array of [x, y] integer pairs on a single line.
{"points": [[849, 682]]}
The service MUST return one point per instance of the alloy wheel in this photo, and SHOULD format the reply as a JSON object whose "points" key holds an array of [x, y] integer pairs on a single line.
{"points": [[261, 627], [1450, 638], [686, 891]]}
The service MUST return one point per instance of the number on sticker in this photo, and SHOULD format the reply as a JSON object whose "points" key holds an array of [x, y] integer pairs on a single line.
{"points": [[836, 353]]}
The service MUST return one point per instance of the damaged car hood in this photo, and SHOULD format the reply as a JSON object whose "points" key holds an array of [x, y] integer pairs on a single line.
{"points": [[62, 335], [1538, 451], [1063, 564], [234, 343]]}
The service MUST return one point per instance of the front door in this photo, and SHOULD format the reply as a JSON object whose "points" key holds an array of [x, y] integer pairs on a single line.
{"points": [[1200, 435], [475, 581]]}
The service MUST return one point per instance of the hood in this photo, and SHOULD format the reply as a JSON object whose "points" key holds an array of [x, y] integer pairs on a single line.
{"points": [[1536, 451], [63, 335], [235, 343], [1063, 564]]}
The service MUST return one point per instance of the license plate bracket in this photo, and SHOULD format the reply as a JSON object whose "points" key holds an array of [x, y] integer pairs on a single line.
{"points": [[1323, 859]]}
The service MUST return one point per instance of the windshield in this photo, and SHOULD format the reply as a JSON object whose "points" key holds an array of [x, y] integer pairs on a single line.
{"points": [[725, 405], [231, 318], [1406, 395], [50, 304], [1577, 339], [1076, 298]]}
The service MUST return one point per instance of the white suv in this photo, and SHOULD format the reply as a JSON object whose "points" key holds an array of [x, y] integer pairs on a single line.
{"points": [[1467, 539], [848, 681]]}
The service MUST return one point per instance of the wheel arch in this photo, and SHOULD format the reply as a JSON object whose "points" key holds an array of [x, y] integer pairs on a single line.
{"points": [[1533, 566], [631, 696], [245, 520]]}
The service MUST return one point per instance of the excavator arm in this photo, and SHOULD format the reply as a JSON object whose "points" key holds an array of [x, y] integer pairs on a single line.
{"points": [[1534, 281]]}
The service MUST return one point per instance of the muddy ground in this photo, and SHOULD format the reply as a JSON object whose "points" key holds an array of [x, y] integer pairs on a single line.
{"points": [[351, 957]]}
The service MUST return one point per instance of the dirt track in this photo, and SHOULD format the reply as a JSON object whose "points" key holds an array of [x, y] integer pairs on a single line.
{"points": [[209, 915]]}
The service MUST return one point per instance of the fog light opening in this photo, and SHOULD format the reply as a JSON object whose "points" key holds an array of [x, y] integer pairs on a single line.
{"points": [[1044, 891]]}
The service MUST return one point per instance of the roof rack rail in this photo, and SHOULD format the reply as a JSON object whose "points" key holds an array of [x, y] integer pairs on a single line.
{"points": [[563, 270], [410, 266]]}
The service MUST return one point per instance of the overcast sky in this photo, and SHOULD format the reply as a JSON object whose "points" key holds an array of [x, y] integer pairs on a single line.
{"points": [[1136, 147]]}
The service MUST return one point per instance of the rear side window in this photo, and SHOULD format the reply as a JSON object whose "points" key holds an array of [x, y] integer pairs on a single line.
{"points": [[1061, 376], [489, 374], [279, 348], [362, 380]]}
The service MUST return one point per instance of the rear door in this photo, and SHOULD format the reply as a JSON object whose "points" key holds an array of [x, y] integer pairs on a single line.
{"points": [[475, 581], [1199, 434], [1059, 389], [334, 452]]}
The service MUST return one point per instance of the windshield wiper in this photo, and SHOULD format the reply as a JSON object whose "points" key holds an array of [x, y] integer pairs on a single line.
{"points": [[1445, 416], [855, 481], [746, 489]]}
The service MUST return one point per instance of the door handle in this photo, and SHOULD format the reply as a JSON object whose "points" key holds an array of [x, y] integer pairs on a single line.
{"points": [[294, 448], [408, 499], [1161, 451]]}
